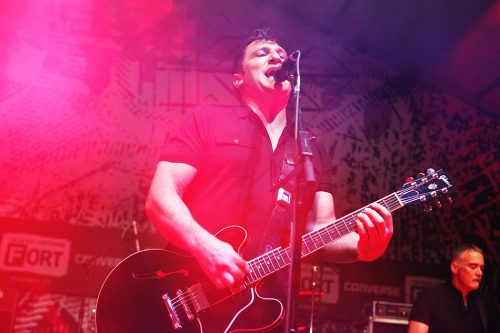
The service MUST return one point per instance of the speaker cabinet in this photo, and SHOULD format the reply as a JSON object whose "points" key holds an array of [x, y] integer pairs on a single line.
{"points": [[387, 327]]}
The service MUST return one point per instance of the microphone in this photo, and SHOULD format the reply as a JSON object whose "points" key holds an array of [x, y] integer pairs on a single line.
{"points": [[286, 68]]}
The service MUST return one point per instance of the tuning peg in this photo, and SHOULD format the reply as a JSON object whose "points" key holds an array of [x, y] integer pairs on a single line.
{"points": [[409, 180], [420, 175], [427, 208], [439, 204], [430, 171], [449, 200]]}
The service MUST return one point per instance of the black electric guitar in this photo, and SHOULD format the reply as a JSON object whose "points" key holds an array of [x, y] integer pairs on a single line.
{"points": [[155, 290]]}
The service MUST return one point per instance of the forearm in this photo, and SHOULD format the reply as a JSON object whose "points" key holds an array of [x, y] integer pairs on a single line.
{"points": [[174, 222], [344, 249], [169, 213]]}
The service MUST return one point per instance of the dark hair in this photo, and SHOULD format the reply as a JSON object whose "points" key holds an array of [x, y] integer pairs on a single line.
{"points": [[258, 34], [462, 248]]}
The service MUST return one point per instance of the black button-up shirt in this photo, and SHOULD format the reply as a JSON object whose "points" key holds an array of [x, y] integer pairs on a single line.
{"points": [[442, 308], [236, 169]]}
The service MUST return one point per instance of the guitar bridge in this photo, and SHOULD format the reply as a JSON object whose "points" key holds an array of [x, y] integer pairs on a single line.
{"points": [[174, 317]]}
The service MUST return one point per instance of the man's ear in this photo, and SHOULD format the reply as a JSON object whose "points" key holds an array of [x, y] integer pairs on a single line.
{"points": [[237, 80], [454, 267]]}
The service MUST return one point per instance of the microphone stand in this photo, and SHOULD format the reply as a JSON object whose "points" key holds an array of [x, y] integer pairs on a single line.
{"points": [[90, 261], [304, 189]]}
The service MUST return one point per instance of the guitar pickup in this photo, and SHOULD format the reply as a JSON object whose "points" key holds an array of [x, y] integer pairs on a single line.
{"points": [[184, 304], [198, 297]]}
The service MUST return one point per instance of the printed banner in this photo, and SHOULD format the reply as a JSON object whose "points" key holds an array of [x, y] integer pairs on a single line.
{"points": [[63, 258], [347, 291]]}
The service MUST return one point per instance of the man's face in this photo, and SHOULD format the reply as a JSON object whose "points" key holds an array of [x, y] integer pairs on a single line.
{"points": [[467, 270], [261, 58]]}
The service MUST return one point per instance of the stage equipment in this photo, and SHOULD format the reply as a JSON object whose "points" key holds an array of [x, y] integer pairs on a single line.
{"points": [[389, 317]]}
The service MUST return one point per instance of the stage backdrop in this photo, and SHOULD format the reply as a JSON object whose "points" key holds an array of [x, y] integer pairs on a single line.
{"points": [[90, 92]]}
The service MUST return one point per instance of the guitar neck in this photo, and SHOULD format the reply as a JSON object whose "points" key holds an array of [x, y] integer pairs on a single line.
{"points": [[274, 260], [319, 238]]}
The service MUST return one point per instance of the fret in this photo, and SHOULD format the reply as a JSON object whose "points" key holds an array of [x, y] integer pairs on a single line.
{"points": [[351, 224], [344, 225], [287, 251], [321, 237], [273, 264], [265, 265], [252, 275], [327, 233], [391, 202], [304, 242], [306, 245], [333, 231], [258, 268], [303, 251], [278, 256], [386, 203], [318, 242], [249, 279]]}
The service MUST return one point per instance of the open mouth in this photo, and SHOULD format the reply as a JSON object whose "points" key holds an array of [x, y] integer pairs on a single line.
{"points": [[271, 71]]}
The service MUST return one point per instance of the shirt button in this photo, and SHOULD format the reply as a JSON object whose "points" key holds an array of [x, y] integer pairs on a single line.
{"points": [[236, 140]]}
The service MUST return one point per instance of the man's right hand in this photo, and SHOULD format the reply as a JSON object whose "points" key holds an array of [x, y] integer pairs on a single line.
{"points": [[220, 262]]}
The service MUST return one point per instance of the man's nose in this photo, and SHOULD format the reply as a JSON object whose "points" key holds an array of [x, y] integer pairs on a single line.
{"points": [[275, 57]]}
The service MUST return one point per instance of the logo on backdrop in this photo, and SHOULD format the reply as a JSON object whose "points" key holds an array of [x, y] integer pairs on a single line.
{"points": [[30, 253], [372, 289], [327, 282], [415, 284]]}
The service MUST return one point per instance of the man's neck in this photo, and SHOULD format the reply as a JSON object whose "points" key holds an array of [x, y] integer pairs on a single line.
{"points": [[273, 117], [462, 291], [267, 106], [272, 114]]}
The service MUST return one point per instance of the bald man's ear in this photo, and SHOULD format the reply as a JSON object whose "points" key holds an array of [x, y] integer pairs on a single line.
{"points": [[454, 267], [237, 80]]}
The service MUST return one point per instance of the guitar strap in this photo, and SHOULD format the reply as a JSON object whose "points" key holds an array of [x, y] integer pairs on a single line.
{"points": [[278, 229]]}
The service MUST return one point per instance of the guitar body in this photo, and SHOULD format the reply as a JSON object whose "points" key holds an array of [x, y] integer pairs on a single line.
{"points": [[130, 300]]}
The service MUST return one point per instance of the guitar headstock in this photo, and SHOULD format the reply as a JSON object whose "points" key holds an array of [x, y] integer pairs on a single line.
{"points": [[427, 190]]}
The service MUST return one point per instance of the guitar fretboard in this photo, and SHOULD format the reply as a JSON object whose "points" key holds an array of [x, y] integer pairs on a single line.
{"points": [[278, 258]]}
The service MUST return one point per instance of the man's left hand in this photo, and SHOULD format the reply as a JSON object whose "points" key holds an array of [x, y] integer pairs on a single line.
{"points": [[375, 230]]}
